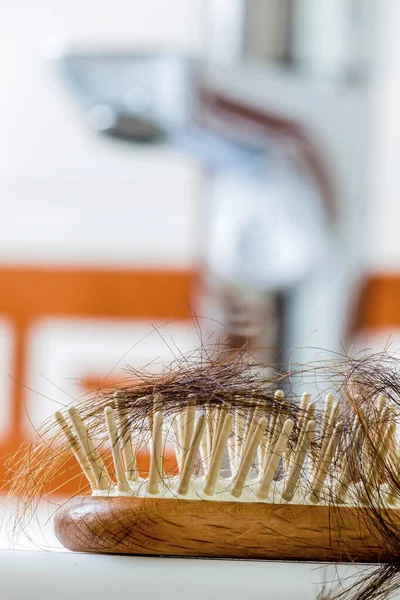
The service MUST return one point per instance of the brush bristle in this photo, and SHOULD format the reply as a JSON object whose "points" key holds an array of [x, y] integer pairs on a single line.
{"points": [[265, 454], [237, 435]]}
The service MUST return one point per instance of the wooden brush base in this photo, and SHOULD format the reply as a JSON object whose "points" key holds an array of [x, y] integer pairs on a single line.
{"points": [[152, 526]]}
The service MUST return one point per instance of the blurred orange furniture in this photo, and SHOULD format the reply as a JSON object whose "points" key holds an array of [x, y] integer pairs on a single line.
{"points": [[378, 305], [29, 294]]}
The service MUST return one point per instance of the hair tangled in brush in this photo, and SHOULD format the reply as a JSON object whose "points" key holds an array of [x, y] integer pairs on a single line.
{"points": [[364, 463], [212, 377]]}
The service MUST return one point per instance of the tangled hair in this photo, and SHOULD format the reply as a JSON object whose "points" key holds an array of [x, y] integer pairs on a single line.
{"points": [[367, 388]]}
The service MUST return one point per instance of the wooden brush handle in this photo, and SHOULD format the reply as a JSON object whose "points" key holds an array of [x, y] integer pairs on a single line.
{"points": [[127, 525]]}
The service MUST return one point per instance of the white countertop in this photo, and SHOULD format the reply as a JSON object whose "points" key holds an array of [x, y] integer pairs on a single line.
{"points": [[39, 575]]}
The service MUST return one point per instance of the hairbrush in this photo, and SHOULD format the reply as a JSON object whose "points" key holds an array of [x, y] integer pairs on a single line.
{"points": [[257, 469]]}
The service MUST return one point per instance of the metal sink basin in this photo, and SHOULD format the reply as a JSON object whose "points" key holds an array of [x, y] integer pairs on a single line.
{"points": [[142, 97]]}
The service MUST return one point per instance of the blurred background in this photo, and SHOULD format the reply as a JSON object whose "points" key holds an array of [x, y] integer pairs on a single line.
{"points": [[234, 160]]}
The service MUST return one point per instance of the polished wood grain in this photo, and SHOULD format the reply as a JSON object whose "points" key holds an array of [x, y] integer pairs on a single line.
{"points": [[126, 525]]}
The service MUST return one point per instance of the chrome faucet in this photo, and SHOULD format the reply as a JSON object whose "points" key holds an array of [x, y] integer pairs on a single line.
{"points": [[266, 186]]}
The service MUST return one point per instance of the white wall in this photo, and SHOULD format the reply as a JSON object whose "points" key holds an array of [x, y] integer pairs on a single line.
{"points": [[58, 182], [385, 144]]}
